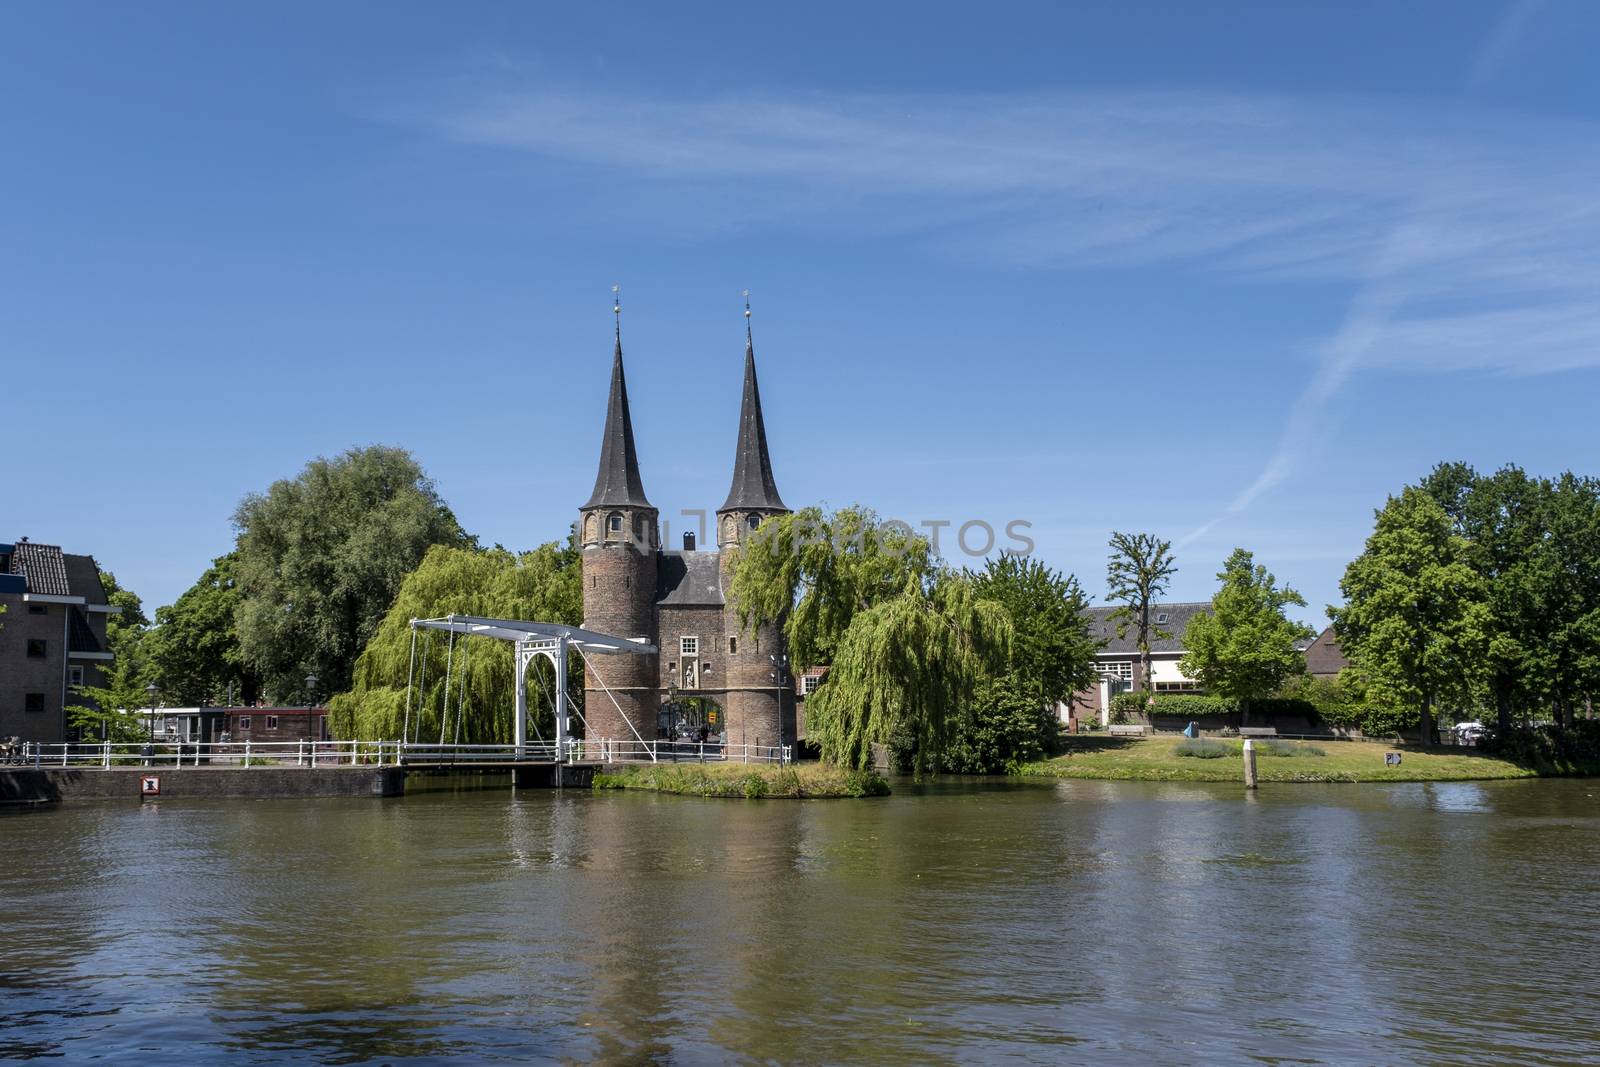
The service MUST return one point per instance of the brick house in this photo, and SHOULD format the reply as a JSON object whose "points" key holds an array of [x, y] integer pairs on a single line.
{"points": [[275, 724], [1117, 662], [52, 637], [1324, 657]]}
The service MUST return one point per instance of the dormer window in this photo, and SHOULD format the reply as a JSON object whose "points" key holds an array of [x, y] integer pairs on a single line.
{"points": [[1161, 617], [614, 524]]}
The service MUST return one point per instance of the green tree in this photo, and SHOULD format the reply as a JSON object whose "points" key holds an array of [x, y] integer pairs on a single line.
{"points": [[905, 672], [1573, 532], [1013, 718], [194, 648], [907, 640], [1414, 621], [544, 585], [320, 557], [112, 710], [1244, 647], [1137, 574]]}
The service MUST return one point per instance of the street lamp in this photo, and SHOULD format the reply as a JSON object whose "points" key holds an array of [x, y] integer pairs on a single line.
{"points": [[152, 689], [311, 690]]}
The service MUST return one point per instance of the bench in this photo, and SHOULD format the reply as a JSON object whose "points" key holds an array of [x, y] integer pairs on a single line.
{"points": [[1128, 731], [1258, 731]]}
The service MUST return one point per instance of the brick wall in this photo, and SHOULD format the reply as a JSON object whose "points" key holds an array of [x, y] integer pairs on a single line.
{"points": [[21, 674]]}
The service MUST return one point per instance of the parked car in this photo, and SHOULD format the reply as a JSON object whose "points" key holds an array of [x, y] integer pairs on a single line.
{"points": [[1470, 733]]}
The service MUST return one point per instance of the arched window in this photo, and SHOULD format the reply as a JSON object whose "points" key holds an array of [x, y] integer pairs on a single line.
{"points": [[754, 521]]}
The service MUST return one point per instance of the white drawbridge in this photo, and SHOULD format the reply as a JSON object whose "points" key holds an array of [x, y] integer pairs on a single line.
{"points": [[530, 640]]}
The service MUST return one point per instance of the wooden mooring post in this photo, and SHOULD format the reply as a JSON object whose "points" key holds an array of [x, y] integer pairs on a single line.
{"points": [[1249, 764]]}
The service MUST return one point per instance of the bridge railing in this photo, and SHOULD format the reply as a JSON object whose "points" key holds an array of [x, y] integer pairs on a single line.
{"points": [[635, 751], [177, 754], [107, 754]]}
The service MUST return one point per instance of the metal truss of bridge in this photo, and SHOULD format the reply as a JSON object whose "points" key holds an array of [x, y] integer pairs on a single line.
{"points": [[530, 640]]}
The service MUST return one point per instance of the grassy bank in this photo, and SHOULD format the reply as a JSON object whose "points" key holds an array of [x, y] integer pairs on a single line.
{"points": [[755, 780], [1159, 759]]}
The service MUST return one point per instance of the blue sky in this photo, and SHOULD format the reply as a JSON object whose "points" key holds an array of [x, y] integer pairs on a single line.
{"points": [[1228, 273]]}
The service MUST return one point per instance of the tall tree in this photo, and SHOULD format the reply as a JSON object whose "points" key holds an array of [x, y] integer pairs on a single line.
{"points": [[905, 671], [1574, 542], [1013, 717], [320, 557], [907, 640], [1244, 647], [545, 584], [194, 649], [1137, 574], [1414, 618], [1504, 520]]}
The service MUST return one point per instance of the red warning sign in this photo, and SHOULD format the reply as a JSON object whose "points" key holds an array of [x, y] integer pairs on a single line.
{"points": [[150, 786]]}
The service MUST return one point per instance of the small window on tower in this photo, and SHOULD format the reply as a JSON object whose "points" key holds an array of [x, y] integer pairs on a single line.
{"points": [[614, 524], [733, 645], [754, 521]]}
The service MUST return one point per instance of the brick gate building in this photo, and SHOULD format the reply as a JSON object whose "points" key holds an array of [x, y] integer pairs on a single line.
{"points": [[677, 600]]}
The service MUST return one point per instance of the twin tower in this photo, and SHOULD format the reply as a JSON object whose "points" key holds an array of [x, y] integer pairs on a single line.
{"points": [[678, 600]]}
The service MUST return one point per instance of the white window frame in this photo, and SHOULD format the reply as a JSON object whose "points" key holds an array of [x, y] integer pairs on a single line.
{"points": [[809, 683], [75, 676], [272, 722], [689, 645], [244, 722], [1119, 669]]}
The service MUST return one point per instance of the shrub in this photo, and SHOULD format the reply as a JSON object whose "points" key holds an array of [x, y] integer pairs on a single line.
{"points": [[1202, 749], [1576, 747], [1125, 704], [1277, 747], [1190, 706]]}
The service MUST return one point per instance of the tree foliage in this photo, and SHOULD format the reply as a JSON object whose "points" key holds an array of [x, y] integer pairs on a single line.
{"points": [[905, 672], [1137, 573], [320, 557], [1414, 620], [544, 585], [1244, 647], [111, 710], [817, 571], [194, 649], [1013, 718], [1534, 544], [907, 640]]}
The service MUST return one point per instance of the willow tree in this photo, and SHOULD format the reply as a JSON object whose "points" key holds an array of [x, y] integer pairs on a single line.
{"points": [[543, 585], [907, 640]]}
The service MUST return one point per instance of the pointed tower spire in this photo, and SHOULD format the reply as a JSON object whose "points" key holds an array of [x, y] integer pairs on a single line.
{"points": [[617, 484], [753, 486]]}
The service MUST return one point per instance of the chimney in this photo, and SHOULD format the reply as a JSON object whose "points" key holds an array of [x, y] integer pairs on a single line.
{"points": [[688, 541]]}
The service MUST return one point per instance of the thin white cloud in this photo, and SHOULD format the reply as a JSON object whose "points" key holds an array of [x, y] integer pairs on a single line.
{"points": [[1468, 237], [1485, 226]]}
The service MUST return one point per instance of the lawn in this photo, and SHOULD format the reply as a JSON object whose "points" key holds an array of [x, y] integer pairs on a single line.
{"points": [[749, 780], [1157, 759]]}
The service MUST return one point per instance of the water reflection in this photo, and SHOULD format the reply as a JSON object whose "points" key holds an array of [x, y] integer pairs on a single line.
{"points": [[1072, 921]]}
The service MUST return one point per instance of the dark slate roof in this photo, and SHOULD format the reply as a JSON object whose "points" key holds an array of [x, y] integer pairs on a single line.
{"points": [[83, 578], [1178, 616], [44, 568], [1324, 656], [753, 486], [689, 579], [617, 484], [80, 638]]}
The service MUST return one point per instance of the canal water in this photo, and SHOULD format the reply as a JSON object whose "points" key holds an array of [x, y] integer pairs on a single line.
{"points": [[1079, 922]]}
